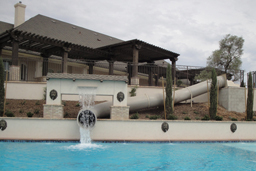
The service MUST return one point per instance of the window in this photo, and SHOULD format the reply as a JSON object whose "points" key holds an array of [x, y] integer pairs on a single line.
{"points": [[23, 72]]}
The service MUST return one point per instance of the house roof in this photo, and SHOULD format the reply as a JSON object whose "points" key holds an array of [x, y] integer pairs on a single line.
{"points": [[5, 26], [60, 30]]}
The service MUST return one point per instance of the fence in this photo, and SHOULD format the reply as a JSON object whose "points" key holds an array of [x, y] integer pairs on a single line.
{"points": [[32, 69]]}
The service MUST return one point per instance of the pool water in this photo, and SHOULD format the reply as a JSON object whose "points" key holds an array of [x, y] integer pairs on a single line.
{"points": [[127, 156]]}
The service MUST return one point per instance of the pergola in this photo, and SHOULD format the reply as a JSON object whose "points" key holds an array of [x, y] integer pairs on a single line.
{"points": [[133, 51]]}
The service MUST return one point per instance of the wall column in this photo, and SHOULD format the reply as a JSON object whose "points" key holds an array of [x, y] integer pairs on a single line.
{"points": [[14, 68], [135, 79], [64, 65], [111, 67]]}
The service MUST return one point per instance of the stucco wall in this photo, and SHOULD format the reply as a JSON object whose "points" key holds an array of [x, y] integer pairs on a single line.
{"points": [[127, 130]]}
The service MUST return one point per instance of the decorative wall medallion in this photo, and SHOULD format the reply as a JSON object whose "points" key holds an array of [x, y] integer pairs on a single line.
{"points": [[233, 127], [53, 94], [3, 125], [165, 126], [120, 96], [86, 118]]}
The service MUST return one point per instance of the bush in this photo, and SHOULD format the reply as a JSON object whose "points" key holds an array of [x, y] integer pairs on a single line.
{"points": [[187, 118], [213, 95], [66, 115], [218, 118], [195, 112], [23, 103], [172, 117], [9, 114], [64, 103], [36, 111], [29, 114], [135, 116], [233, 119], [179, 82], [249, 110], [205, 118], [154, 117], [77, 105], [133, 91], [37, 103], [197, 118], [21, 111], [184, 112], [147, 116]]}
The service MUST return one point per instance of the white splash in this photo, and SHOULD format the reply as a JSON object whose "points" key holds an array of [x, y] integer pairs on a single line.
{"points": [[86, 101]]}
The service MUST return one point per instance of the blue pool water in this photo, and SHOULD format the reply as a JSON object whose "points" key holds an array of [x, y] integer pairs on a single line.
{"points": [[127, 156]]}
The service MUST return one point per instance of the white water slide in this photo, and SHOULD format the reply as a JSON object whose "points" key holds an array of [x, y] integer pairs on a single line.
{"points": [[156, 99]]}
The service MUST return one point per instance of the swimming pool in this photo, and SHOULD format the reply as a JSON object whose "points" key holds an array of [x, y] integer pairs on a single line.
{"points": [[127, 156]]}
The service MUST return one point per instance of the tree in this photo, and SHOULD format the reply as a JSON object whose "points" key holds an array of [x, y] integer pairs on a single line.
{"points": [[250, 98], [1, 87], [242, 84], [213, 95], [228, 56], [168, 89]]}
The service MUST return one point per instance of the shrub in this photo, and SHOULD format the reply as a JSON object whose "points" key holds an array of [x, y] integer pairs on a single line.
{"points": [[250, 98], [135, 116], [213, 95], [205, 118], [154, 117], [179, 82], [7, 103], [36, 111], [37, 103], [172, 117], [45, 91], [1, 87], [77, 105], [29, 114], [197, 118], [23, 103], [218, 118], [66, 115], [195, 112], [9, 114], [233, 119], [168, 90], [133, 91], [184, 112], [147, 116], [187, 118], [21, 111], [64, 103]]}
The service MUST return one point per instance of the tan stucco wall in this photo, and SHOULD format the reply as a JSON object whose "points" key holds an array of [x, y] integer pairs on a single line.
{"points": [[127, 130]]}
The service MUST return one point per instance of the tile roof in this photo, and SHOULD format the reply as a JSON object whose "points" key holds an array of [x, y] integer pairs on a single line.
{"points": [[5, 26], [87, 77], [60, 30]]}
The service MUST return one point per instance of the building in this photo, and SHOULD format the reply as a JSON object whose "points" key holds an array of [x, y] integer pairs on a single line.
{"points": [[30, 49]]}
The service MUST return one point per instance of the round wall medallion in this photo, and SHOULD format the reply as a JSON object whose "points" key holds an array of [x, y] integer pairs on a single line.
{"points": [[86, 118], [165, 126], [120, 96], [233, 127], [53, 94], [3, 125]]}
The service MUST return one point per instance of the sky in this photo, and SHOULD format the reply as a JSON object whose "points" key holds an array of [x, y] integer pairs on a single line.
{"points": [[191, 28]]}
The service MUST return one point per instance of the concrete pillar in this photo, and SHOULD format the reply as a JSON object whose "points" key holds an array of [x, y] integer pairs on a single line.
{"points": [[64, 65], [135, 79], [150, 74], [91, 64], [111, 68]]}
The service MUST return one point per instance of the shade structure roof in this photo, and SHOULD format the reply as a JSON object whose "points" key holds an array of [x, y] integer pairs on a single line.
{"points": [[123, 51]]}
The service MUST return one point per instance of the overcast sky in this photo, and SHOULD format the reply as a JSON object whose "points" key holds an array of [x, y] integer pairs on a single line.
{"points": [[192, 28]]}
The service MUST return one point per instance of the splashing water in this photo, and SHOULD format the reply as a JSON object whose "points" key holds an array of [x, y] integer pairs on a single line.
{"points": [[86, 101]]}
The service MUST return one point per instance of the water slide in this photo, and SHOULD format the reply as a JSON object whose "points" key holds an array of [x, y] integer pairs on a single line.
{"points": [[156, 99]]}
